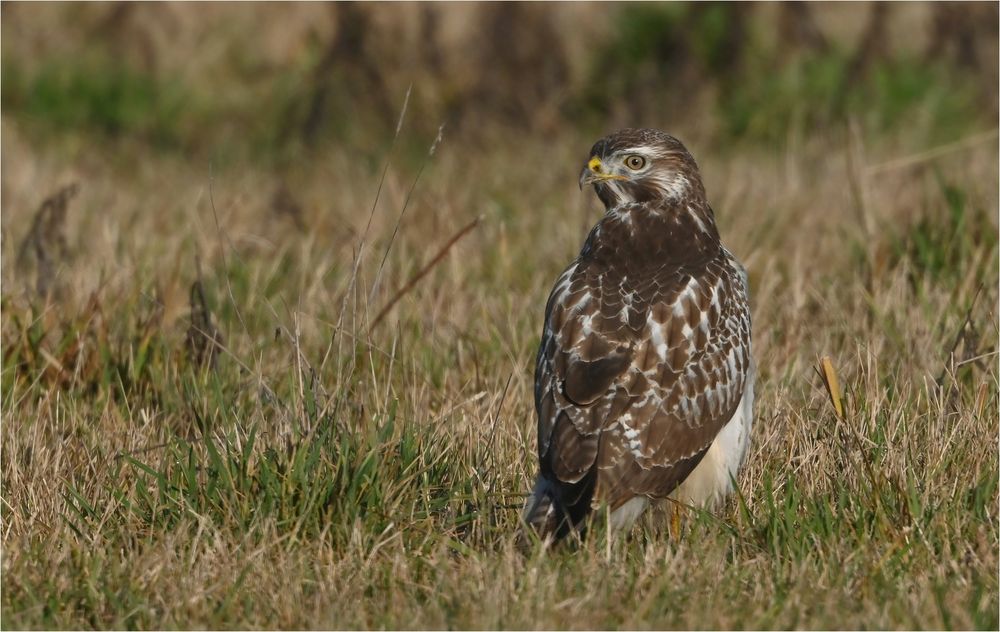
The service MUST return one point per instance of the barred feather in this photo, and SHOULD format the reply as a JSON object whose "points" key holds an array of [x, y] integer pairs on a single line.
{"points": [[645, 352]]}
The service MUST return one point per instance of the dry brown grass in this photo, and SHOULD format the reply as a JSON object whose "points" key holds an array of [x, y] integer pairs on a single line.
{"points": [[885, 517], [329, 425]]}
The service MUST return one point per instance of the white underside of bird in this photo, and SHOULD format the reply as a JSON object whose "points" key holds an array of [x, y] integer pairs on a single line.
{"points": [[712, 481]]}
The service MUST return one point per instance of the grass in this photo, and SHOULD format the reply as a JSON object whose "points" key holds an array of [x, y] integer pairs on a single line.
{"points": [[323, 475], [330, 471], [98, 94]]}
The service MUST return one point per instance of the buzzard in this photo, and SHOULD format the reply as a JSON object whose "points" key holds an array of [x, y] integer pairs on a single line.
{"points": [[644, 379]]}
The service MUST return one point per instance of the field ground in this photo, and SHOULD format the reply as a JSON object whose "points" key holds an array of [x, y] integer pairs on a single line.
{"points": [[327, 463]]}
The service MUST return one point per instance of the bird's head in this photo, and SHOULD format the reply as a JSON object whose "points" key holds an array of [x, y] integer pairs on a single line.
{"points": [[641, 165]]}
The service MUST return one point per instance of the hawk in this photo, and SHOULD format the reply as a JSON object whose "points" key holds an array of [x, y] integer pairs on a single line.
{"points": [[644, 379]]}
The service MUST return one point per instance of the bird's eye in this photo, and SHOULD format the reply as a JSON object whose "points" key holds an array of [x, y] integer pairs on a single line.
{"points": [[635, 162]]}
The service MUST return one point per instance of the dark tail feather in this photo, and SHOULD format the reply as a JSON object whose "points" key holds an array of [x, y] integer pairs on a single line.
{"points": [[555, 509], [542, 515]]}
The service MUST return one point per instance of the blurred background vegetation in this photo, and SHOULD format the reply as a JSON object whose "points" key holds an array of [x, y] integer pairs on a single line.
{"points": [[271, 83]]}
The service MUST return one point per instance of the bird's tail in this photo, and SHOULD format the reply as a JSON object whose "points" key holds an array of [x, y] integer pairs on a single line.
{"points": [[554, 509], [542, 514]]}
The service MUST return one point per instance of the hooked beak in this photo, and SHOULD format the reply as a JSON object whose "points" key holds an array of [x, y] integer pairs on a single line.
{"points": [[594, 172]]}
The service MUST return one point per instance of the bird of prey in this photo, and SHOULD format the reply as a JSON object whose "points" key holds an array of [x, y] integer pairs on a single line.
{"points": [[644, 378]]}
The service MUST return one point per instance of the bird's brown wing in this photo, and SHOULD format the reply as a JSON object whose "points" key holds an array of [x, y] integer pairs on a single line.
{"points": [[584, 352], [636, 376]]}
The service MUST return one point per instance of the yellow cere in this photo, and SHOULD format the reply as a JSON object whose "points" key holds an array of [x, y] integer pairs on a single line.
{"points": [[594, 164]]}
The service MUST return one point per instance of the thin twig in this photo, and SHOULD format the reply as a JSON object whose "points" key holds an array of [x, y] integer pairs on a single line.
{"points": [[959, 337], [423, 271], [223, 238], [388, 160], [222, 250], [979, 358], [359, 254], [930, 154], [493, 430], [406, 204]]}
